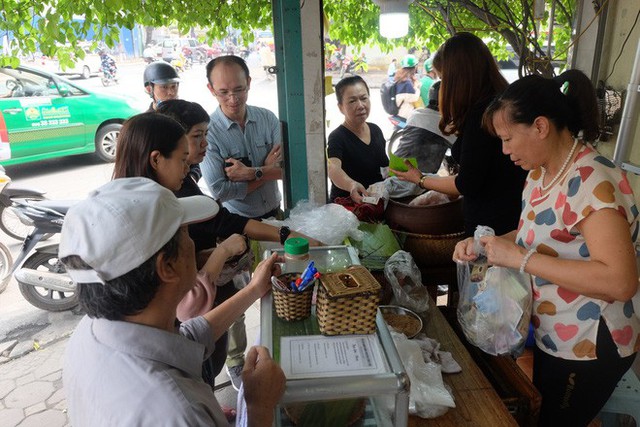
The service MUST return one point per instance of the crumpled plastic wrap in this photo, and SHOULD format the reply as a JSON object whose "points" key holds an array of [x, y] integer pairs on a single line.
{"points": [[429, 397], [405, 279], [494, 308], [430, 198], [330, 223]]}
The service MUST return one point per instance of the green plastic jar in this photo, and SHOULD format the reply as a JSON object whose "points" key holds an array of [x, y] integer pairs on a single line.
{"points": [[296, 254]]}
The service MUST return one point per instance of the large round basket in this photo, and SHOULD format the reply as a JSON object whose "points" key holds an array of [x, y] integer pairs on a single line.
{"points": [[445, 218], [429, 250]]}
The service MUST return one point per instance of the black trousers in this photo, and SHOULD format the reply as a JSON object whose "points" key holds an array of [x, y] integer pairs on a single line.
{"points": [[573, 392]]}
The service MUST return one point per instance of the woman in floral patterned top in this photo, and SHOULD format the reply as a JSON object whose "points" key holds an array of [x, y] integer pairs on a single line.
{"points": [[576, 237]]}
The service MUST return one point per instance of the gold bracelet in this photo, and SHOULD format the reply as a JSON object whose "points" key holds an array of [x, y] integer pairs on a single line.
{"points": [[421, 182]]}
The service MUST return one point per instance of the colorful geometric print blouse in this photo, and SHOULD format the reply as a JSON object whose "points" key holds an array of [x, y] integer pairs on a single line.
{"points": [[566, 323]]}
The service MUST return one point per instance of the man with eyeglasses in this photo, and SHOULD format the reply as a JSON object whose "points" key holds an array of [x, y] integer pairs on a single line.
{"points": [[241, 166], [243, 157]]}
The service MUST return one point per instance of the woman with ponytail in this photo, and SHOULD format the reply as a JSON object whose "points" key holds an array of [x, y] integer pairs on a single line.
{"points": [[576, 238]]}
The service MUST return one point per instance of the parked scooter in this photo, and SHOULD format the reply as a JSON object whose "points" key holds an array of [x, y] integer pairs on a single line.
{"points": [[10, 224], [41, 277]]}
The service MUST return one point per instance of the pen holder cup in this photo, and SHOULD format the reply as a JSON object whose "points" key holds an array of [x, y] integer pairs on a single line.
{"points": [[291, 305]]}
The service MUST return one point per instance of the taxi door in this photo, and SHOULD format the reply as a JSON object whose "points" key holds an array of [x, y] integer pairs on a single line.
{"points": [[38, 119]]}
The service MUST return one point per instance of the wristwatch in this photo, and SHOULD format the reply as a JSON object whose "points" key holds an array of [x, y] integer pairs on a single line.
{"points": [[284, 234], [259, 173]]}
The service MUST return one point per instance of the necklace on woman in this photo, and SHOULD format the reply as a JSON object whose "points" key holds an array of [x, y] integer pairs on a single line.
{"points": [[561, 171]]}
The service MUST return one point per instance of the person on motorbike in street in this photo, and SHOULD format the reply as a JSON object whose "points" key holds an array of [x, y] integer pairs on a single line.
{"points": [[407, 86], [161, 82], [148, 54], [430, 76], [108, 64]]}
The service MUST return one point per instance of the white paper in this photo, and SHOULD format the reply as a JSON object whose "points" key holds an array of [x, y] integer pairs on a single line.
{"points": [[316, 356]]}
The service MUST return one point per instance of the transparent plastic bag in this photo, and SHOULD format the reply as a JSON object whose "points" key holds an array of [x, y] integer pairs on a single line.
{"points": [[405, 279], [429, 397], [494, 308], [330, 223]]}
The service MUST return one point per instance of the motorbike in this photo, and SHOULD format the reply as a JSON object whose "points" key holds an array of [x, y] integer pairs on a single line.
{"points": [[352, 65], [42, 278], [109, 70], [181, 63], [10, 224]]}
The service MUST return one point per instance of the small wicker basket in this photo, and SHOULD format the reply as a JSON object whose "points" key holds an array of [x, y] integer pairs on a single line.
{"points": [[347, 302], [292, 305]]}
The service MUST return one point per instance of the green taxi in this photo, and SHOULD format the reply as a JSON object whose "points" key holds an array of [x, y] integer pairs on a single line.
{"points": [[43, 116]]}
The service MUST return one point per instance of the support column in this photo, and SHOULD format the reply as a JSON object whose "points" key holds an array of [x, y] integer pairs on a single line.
{"points": [[300, 64]]}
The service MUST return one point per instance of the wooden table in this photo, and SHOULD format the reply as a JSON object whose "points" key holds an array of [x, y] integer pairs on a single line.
{"points": [[477, 403]]}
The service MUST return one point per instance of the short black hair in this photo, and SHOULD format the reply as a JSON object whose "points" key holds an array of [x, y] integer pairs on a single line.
{"points": [[187, 113], [346, 82], [227, 59]]}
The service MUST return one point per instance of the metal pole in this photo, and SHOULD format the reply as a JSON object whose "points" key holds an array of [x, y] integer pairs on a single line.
{"points": [[630, 110]]}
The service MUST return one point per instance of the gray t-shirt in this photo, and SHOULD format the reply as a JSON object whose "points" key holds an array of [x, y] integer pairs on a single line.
{"points": [[126, 374]]}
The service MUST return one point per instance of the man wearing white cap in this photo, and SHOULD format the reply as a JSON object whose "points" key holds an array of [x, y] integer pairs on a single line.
{"points": [[128, 250]]}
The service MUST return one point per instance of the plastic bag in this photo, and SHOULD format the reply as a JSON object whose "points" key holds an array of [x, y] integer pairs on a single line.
{"points": [[494, 308], [428, 398], [329, 223], [405, 279], [430, 198]]}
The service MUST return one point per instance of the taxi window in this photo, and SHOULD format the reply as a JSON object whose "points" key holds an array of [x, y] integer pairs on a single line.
{"points": [[22, 84], [5, 91]]}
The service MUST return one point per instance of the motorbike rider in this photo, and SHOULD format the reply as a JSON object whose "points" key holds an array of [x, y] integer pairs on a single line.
{"points": [[430, 76], [148, 54], [108, 63], [161, 82], [407, 86]]}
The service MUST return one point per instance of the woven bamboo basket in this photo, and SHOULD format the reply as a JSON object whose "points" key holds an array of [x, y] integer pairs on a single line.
{"points": [[347, 302], [429, 250], [291, 305]]}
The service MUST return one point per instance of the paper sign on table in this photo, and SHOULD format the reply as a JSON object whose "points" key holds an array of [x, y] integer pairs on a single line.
{"points": [[315, 356]]}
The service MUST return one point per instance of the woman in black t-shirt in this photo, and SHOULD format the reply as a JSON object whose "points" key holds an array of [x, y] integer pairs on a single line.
{"points": [[356, 149]]}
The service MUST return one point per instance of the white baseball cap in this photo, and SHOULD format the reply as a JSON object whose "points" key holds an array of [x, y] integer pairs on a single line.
{"points": [[124, 223]]}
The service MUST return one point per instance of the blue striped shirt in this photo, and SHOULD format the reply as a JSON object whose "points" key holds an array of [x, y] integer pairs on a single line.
{"points": [[226, 139]]}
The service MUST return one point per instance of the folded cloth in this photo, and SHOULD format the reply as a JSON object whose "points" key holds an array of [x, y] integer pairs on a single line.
{"points": [[432, 353]]}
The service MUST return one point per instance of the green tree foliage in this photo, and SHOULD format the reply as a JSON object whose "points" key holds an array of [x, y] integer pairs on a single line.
{"points": [[50, 26], [500, 23]]}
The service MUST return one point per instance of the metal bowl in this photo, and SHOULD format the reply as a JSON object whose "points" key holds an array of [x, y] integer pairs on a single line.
{"points": [[396, 309]]}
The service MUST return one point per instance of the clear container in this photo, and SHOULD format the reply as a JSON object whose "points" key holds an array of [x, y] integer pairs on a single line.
{"points": [[296, 254]]}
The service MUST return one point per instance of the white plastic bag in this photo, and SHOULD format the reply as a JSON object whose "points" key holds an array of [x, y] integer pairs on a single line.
{"points": [[494, 308], [330, 223], [405, 279], [428, 398]]}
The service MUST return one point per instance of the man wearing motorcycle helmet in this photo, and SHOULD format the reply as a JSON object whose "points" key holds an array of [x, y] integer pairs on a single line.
{"points": [[161, 82], [407, 86], [430, 76]]}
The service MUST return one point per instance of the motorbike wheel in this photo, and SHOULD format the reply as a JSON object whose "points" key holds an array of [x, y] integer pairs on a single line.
{"points": [[5, 265], [105, 81], [393, 142], [42, 298], [11, 225]]}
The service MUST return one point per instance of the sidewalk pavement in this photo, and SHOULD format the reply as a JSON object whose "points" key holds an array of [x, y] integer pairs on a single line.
{"points": [[31, 390]]}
